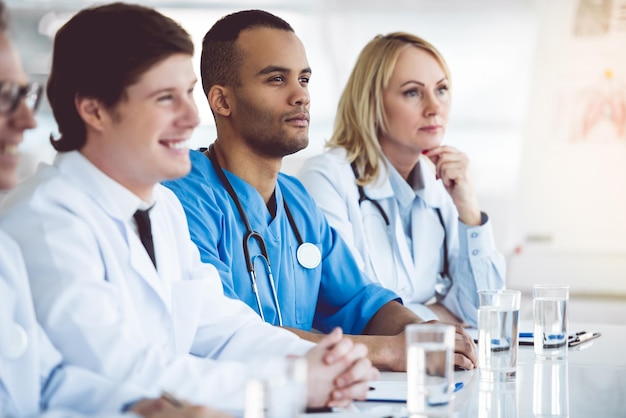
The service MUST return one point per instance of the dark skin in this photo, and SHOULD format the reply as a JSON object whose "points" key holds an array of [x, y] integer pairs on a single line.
{"points": [[270, 105], [387, 349]]}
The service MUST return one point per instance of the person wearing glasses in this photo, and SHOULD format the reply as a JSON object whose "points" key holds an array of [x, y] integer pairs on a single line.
{"points": [[271, 244], [117, 283], [403, 201], [13, 96], [33, 379]]}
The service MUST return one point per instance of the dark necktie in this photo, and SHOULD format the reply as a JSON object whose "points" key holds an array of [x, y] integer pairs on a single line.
{"points": [[142, 217]]}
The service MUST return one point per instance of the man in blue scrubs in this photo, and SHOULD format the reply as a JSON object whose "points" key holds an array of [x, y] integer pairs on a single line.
{"points": [[255, 75]]}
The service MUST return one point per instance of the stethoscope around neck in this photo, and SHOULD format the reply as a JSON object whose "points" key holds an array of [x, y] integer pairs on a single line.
{"points": [[443, 282], [307, 254]]}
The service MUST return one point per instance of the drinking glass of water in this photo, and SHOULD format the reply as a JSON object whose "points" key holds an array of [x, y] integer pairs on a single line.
{"points": [[550, 305], [498, 320], [430, 369], [280, 393]]}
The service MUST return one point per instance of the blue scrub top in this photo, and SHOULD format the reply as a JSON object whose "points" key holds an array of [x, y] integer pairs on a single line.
{"points": [[335, 293]]}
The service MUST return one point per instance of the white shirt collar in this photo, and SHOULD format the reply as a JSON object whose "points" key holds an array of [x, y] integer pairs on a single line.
{"points": [[114, 198], [425, 185]]}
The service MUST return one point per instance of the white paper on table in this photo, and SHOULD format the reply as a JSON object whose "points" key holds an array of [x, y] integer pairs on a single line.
{"points": [[387, 391]]}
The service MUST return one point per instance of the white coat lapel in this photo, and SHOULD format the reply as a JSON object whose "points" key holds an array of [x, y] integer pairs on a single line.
{"points": [[118, 204], [406, 259], [141, 263], [426, 222], [382, 191], [380, 188]]}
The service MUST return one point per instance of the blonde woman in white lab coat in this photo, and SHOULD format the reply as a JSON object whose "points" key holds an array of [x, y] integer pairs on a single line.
{"points": [[404, 202]]}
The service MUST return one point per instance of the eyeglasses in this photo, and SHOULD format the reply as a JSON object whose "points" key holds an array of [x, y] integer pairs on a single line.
{"points": [[11, 93]]}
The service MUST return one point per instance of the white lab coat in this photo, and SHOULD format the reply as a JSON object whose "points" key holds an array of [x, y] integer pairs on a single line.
{"points": [[384, 253], [106, 308], [32, 379]]}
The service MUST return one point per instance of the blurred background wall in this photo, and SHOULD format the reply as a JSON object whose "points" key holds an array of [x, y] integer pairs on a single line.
{"points": [[538, 105]]}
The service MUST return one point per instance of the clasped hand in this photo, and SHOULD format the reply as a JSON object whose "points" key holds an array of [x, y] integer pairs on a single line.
{"points": [[339, 371]]}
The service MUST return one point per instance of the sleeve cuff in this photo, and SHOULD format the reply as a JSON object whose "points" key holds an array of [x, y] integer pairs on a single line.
{"points": [[477, 241]]}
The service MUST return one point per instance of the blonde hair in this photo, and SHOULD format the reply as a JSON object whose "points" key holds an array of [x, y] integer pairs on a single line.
{"points": [[360, 113]]}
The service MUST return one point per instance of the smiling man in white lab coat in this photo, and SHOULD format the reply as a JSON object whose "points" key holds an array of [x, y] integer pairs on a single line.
{"points": [[145, 310], [27, 359], [33, 380]]}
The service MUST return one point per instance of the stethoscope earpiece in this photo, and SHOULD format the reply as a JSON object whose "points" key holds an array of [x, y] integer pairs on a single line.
{"points": [[14, 342]]}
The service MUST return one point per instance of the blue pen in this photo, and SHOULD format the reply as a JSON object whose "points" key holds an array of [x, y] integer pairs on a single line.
{"points": [[550, 337], [458, 386], [521, 335]]}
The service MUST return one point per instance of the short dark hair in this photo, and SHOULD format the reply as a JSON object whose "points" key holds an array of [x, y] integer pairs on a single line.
{"points": [[220, 60], [101, 51]]}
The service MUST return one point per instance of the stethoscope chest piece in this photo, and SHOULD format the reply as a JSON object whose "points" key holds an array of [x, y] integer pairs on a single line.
{"points": [[14, 341], [308, 255], [443, 284]]}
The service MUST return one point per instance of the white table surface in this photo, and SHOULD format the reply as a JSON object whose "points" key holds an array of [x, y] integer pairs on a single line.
{"points": [[595, 385]]}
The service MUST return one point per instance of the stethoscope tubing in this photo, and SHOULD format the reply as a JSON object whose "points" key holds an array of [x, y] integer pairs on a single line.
{"points": [[250, 234], [307, 254]]}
